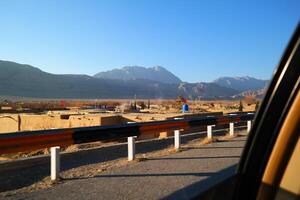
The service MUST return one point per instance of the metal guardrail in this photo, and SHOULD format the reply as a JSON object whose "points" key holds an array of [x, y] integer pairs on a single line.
{"points": [[34, 140]]}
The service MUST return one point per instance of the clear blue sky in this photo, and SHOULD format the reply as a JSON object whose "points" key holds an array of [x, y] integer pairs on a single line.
{"points": [[196, 40]]}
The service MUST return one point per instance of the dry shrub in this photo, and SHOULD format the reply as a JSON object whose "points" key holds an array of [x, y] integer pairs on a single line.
{"points": [[250, 99]]}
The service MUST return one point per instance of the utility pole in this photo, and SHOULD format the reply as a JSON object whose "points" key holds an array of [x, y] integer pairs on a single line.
{"points": [[135, 102], [148, 103]]}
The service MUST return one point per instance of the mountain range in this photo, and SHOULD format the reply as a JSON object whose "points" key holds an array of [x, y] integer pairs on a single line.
{"points": [[241, 83], [154, 82], [156, 73]]}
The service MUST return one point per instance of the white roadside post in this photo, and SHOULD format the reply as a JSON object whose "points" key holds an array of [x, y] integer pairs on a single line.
{"points": [[209, 132], [131, 148], [248, 126], [231, 129], [177, 139], [55, 163]]}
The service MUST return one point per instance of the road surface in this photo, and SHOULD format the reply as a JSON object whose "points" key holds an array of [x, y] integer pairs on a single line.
{"points": [[176, 176]]}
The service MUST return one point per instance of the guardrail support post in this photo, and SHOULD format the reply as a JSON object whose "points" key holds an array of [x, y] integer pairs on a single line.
{"points": [[231, 129], [177, 139], [209, 132], [131, 148], [248, 126], [55, 163]]}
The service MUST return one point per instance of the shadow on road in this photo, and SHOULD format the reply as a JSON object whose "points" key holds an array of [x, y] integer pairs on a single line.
{"points": [[190, 158], [22, 173], [195, 189], [188, 148], [144, 175]]}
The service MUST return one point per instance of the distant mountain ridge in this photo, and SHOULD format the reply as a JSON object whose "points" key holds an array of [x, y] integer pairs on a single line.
{"points": [[242, 83], [156, 73], [27, 81], [257, 93]]}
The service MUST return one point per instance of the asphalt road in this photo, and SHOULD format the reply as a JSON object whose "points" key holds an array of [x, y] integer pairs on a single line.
{"points": [[176, 176]]}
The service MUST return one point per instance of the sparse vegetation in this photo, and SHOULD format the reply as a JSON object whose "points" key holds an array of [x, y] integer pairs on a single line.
{"points": [[142, 105]]}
